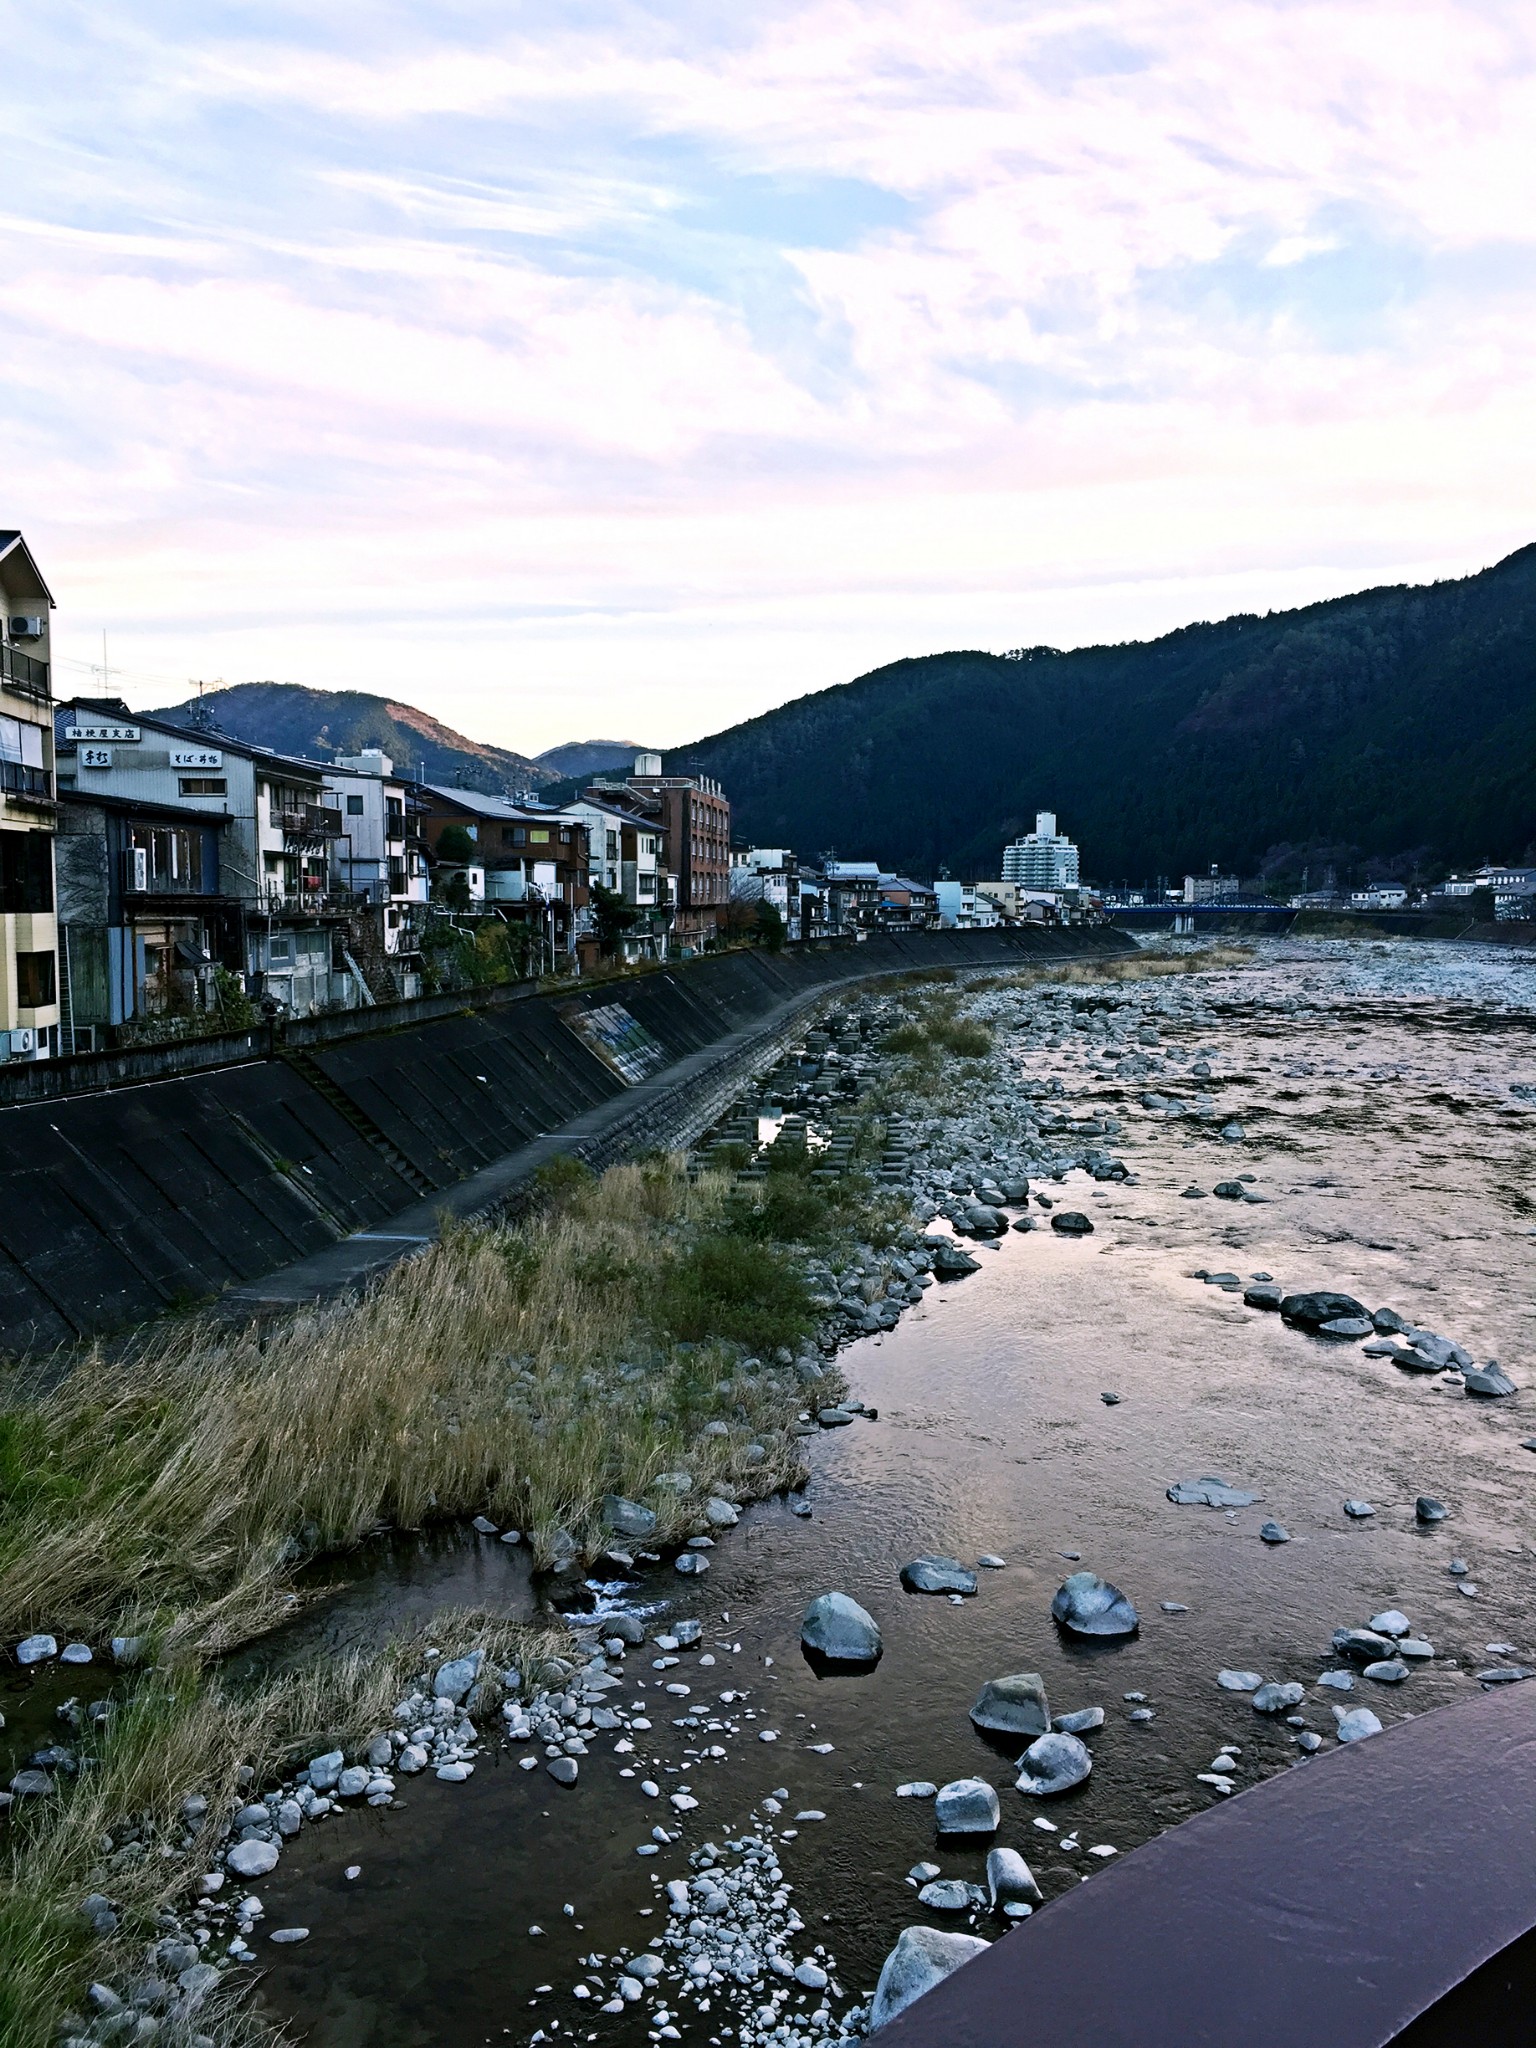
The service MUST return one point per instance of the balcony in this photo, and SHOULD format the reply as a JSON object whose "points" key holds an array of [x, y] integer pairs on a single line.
{"points": [[24, 673], [308, 823], [311, 903], [33, 785]]}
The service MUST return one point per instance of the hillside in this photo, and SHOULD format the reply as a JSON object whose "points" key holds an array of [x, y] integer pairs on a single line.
{"points": [[1396, 721], [579, 758], [321, 723]]}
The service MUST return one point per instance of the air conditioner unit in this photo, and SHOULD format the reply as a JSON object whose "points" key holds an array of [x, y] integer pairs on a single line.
{"points": [[28, 627], [23, 1042], [136, 869]]}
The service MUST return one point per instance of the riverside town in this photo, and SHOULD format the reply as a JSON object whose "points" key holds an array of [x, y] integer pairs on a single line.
{"points": [[768, 1027]]}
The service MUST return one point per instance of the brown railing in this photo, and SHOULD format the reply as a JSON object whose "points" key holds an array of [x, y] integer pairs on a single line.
{"points": [[23, 672]]}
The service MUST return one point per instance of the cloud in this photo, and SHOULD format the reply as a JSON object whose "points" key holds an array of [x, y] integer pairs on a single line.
{"points": [[609, 364]]}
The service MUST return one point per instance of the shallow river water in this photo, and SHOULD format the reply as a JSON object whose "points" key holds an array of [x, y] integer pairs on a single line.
{"points": [[1398, 1169]]}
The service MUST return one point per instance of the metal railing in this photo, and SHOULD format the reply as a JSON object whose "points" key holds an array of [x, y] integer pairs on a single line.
{"points": [[24, 672], [17, 779], [310, 821]]}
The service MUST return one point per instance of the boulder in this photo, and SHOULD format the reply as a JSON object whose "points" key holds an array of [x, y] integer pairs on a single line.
{"points": [[1053, 1764], [1072, 1223], [922, 1957], [1010, 1881], [967, 1806], [36, 1649], [1363, 1644], [1427, 1509], [1356, 1723], [452, 1680], [1263, 1294], [628, 1517], [1015, 1705], [837, 1628], [1489, 1381], [1275, 1699], [1080, 1722], [1311, 1311], [1346, 1327], [937, 1575], [1210, 1492], [1087, 1605], [253, 1858]]}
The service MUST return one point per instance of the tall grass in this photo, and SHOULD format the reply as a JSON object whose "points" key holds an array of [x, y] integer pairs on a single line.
{"points": [[176, 1491]]}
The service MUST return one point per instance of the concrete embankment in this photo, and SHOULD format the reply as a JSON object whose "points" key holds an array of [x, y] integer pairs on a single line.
{"points": [[277, 1178]]}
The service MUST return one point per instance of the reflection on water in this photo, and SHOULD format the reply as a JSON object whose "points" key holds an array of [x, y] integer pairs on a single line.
{"points": [[1395, 1164]]}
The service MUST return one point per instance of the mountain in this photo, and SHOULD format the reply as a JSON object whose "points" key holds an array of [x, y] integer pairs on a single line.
{"points": [[1397, 723], [578, 759], [321, 723]]}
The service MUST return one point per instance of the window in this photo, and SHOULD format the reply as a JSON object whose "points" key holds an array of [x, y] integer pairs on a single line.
{"points": [[354, 807], [203, 785], [174, 855], [279, 949], [21, 742], [519, 835], [26, 871], [538, 838], [36, 987]]}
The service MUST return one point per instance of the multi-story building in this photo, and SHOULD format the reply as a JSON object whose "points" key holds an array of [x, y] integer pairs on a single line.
{"points": [[1042, 859], [906, 905], [768, 874], [29, 977], [852, 893], [694, 817], [624, 853], [277, 825], [528, 865], [1212, 888], [965, 906], [378, 856], [145, 922]]}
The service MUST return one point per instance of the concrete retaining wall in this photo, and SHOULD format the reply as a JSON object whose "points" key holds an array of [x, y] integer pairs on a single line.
{"points": [[117, 1206]]}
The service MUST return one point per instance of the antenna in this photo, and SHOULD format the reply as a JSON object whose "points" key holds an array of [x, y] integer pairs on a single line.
{"points": [[105, 671]]}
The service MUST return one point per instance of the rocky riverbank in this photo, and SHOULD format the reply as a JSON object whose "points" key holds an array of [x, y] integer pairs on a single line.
{"points": [[1103, 1390]]}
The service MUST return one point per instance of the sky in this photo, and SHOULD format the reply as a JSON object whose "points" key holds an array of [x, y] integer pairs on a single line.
{"points": [[613, 370]]}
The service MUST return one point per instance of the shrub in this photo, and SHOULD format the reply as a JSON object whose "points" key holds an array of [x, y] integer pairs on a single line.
{"points": [[733, 1288]]}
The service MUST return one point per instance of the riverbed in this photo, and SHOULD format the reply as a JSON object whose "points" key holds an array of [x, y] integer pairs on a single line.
{"points": [[1391, 1159]]}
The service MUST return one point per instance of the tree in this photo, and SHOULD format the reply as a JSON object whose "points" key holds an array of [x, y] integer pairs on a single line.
{"points": [[612, 916], [770, 926], [456, 844]]}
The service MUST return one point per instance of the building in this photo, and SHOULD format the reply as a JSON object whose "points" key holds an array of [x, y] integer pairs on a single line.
{"points": [[852, 894], [29, 976], [694, 817], [145, 924], [904, 905], [1042, 859], [771, 875], [965, 906], [1384, 896], [625, 856], [529, 865], [277, 825], [378, 857], [1212, 888]]}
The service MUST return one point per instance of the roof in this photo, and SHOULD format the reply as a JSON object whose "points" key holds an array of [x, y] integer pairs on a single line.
{"points": [[132, 807], [208, 736], [13, 546]]}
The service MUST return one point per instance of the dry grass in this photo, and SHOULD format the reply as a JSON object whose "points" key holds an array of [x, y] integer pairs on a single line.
{"points": [[175, 1492]]}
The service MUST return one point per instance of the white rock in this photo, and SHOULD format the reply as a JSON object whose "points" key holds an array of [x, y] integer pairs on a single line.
{"points": [[922, 1957], [253, 1858]]}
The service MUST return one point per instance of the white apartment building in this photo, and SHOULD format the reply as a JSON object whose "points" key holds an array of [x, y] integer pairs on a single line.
{"points": [[1042, 859]]}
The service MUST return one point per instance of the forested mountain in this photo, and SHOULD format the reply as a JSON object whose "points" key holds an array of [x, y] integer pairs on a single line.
{"points": [[321, 723], [1398, 721], [578, 758]]}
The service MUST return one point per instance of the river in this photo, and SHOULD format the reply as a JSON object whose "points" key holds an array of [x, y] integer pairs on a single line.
{"points": [[1374, 1088]]}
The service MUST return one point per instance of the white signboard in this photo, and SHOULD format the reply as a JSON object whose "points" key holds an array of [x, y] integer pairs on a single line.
{"points": [[95, 757], [123, 733], [196, 757]]}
